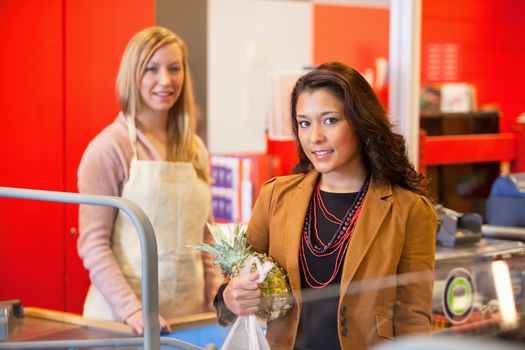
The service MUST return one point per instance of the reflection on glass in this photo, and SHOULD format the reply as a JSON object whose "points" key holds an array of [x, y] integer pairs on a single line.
{"points": [[504, 291]]}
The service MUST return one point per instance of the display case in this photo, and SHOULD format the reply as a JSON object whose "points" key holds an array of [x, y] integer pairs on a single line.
{"points": [[479, 288]]}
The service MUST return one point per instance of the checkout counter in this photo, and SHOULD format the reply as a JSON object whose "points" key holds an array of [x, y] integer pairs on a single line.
{"points": [[466, 305], [41, 328], [478, 292]]}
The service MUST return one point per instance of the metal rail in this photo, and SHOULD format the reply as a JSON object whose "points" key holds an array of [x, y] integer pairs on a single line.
{"points": [[148, 245], [504, 232], [120, 343]]}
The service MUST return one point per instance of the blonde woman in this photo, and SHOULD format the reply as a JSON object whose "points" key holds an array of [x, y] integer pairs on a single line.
{"points": [[151, 155]]}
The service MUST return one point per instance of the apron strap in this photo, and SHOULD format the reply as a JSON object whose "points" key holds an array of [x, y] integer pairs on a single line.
{"points": [[132, 132]]}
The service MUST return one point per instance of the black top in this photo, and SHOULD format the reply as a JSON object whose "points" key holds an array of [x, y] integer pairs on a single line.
{"points": [[318, 322]]}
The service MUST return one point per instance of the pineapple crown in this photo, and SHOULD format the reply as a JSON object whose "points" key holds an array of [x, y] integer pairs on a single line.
{"points": [[230, 248]]}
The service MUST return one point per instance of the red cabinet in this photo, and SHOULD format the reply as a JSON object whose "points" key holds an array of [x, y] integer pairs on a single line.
{"points": [[96, 34], [31, 103], [58, 65]]}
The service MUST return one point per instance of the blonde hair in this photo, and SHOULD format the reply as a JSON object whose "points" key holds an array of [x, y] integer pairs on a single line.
{"points": [[182, 144]]}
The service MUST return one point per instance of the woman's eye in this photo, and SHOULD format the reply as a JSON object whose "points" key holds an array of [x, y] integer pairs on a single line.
{"points": [[329, 121], [151, 69], [303, 123], [175, 69]]}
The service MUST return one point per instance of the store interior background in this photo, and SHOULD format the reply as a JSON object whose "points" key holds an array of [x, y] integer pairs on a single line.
{"points": [[60, 57]]}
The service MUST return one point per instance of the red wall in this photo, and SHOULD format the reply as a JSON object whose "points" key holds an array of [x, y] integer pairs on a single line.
{"points": [[349, 34], [58, 65], [489, 37]]}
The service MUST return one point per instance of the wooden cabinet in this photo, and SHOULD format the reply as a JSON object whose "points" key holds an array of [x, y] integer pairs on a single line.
{"points": [[58, 65]]}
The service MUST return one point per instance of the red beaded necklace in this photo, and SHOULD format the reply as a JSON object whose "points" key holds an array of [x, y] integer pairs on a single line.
{"points": [[338, 244]]}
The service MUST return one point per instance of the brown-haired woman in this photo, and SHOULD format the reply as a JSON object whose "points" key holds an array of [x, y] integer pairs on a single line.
{"points": [[352, 227]]}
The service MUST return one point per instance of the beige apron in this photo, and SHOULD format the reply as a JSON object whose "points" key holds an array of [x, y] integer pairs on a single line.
{"points": [[178, 203]]}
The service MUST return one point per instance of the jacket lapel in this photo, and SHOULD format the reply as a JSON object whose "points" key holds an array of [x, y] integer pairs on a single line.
{"points": [[297, 207], [370, 219]]}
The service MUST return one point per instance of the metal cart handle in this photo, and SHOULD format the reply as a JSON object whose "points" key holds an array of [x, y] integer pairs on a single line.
{"points": [[148, 246]]}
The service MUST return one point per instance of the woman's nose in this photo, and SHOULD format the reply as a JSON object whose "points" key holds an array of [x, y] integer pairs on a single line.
{"points": [[164, 77], [317, 134]]}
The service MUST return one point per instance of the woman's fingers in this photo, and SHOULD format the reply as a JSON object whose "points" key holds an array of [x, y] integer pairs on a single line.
{"points": [[135, 322], [242, 296], [164, 325], [137, 326]]}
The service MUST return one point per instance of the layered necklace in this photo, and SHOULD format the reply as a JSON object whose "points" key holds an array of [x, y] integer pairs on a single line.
{"points": [[338, 245]]}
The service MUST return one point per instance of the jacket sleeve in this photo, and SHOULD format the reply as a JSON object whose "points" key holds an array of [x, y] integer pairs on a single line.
{"points": [[413, 311], [224, 316]]}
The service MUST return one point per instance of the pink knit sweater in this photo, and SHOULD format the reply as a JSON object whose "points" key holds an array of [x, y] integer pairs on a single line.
{"points": [[104, 169]]}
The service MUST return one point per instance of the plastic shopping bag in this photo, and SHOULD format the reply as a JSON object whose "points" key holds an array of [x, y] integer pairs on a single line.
{"points": [[246, 333]]}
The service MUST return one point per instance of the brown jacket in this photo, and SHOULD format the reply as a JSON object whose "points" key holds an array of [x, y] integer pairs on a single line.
{"points": [[395, 234]]}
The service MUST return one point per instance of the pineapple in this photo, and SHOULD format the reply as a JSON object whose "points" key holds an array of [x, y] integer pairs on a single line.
{"points": [[232, 251]]}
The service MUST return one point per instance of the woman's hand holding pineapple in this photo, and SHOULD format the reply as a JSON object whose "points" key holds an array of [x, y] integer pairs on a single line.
{"points": [[265, 292], [242, 296]]}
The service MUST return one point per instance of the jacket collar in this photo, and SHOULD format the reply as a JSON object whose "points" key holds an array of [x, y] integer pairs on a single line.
{"points": [[297, 207], [375, 208]]}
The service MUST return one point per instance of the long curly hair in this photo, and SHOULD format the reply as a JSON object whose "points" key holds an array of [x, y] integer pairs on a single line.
{"points": [[384, 152]]}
